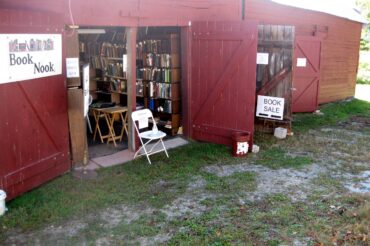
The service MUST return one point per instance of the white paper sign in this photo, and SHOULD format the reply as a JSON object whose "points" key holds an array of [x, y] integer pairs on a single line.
{"points": [[270, 107], [301, 62], [29, 56], [73, 68], [263, 58], [86, 87], [143, 123], [242, 148], [124, 63]]}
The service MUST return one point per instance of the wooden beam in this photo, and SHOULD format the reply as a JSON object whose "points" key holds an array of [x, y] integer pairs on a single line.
{"points": [[77, 126], [72, 51], [186, 38], [131, 83], [268, 86]]}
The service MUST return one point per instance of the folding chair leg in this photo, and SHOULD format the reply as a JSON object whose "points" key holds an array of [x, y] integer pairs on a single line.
{"points": [[164, 147], [89, 124], [145, 151]]}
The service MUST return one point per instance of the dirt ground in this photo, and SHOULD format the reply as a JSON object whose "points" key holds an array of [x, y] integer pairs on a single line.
{"points": [[340, 167]]}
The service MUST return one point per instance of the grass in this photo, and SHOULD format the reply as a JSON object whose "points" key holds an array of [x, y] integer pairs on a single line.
{"points": [[276, 157], [227, 219], [132, 183], [243, 181], [332, 113]]}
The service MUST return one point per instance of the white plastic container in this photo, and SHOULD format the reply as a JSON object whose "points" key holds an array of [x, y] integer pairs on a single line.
{"points": [[2, 202], [255, 148], [280, 132]]}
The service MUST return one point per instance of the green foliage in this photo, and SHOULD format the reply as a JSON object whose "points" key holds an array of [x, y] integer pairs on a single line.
{"points": [[362, 81], [363, 75], [364, 44]]}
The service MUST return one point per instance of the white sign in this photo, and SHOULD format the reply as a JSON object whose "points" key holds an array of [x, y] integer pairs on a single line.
{"points": [[124, 63], [263, 58], [143, 123], [301, 62], [242, 148], [73, 68], [29, 56], [270, 107], [86, 88]]}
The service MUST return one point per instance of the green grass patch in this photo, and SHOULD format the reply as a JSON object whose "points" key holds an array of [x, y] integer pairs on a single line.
{"points": [[241, 181], [132, 183], [277, 158], [332, 114]]}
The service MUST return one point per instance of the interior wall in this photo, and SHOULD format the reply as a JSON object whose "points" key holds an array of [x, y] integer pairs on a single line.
{"points": [[340, 46]]}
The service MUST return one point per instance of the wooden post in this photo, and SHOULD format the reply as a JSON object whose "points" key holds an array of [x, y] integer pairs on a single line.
{"points": [[186, 39], [131, 83]]}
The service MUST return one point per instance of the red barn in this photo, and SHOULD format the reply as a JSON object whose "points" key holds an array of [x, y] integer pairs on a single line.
{"points": [[210, 81]]}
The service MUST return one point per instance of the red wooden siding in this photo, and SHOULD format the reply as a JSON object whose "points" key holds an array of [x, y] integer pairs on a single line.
{"points": [[340, 46], [223, 80], [33, 128], [136, 12]]}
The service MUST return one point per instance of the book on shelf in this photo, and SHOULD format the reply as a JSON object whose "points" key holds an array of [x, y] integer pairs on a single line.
{"points": [[139, 88], [112, 50], [157, 60], [118, 86], [156, 74], [159, 90], [115, 69], [167, 106], [153, 46]]}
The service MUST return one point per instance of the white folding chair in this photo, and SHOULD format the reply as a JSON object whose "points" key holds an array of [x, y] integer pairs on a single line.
{"points": [[140, 119]]}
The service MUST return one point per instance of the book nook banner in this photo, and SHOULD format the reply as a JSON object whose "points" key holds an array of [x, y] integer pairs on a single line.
{"points": [[29, 56]]}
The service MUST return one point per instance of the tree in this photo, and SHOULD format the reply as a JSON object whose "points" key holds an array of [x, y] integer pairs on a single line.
{"points": [[364, 7]]}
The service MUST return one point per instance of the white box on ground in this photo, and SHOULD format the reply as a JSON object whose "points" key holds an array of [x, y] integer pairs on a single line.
{"points": [[270, 107], [280, 132], [255, 148], [2, 202]]}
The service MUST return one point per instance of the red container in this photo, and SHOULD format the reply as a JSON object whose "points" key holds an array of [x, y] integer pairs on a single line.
{"points": [[240, 143]]}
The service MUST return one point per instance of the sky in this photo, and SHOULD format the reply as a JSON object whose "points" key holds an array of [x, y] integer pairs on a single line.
{"points": [[343, 8]]}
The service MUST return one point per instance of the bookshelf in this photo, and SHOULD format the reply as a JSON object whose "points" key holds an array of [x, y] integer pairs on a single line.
{"points": [[159, 79], [106, 54], [158, 73]]}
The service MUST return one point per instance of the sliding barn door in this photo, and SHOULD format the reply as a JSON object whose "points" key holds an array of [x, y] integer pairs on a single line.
{"points": [[306, 74], [223, 75]]}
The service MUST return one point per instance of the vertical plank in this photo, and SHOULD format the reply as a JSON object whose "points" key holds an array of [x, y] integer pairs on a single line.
{"points": [[131, 84], [77, 126], [72, 51]]}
